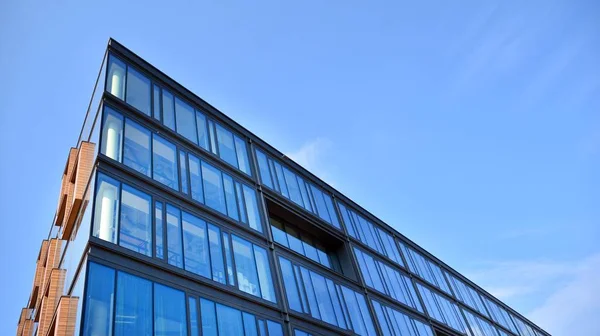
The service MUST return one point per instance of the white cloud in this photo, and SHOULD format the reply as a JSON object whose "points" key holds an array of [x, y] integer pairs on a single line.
{"points": [[313, 156], [565, 295], [574, 308]]}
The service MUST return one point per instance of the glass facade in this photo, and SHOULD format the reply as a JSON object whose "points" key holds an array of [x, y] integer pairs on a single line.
{"points": [[315, 295], [120, 303], [177, 242], [394, 322], [371, 235], [192, 243], [277, 177], [202, 181]]}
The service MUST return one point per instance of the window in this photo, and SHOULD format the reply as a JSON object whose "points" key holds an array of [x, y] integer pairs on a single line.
{"points": [[196, 179], [303, 243], [264, 274], [136, 222], [137, 148], [195, 245], [158, 224], [134, 306], [183, 172], [466, 294], [247, 276], [230, 197], [242, 155], [251, 205], [216, 254], [311, 293], [478, 326], [175, 253], [194, 327], [98, 318], [165, 162], [228, 260], [524, 328], [293, 187], [168, 109], [386, 279], [213, 188], [186, 120], [395, 323], [226, 146], [263, 168], [106, 208], [138, 91], [425, 268], [441, 309], [370, 234], [169, 312], [500, 315], [201, 128], [229, 320], [112, 134], [156, 102], [222, 320], [115, 77]]}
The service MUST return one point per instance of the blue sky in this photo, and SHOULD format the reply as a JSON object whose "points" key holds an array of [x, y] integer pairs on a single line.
{"points": [[472, 127]]}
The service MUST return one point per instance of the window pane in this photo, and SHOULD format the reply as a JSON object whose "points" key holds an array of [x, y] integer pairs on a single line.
{"points": [[156, 103], [169, 312], [211, 135], [249, 324], [138, 91], [292, 184], [106, 208], [323, 299], [216, 254], [195, 244], [263, 168], [134, 306], [252, 208], [291, 291], [320, 202], [213, 187], [230, 197], [112, 134], [230, 276], [332, 215], [354, 311], [241, 203], [281, 180], [183, 172], [279, 235], [137, 147], [304, 194], [165, 162], [194, 329], [168, 109], [310, 251], [246, 266], [274, 328], [226, 146], [136, 222], [242, 155], [100, 293], [336, 304], [264, 274], [196, 179], [201, 127], [158, 220], [209, 319], [310, 293], [186, 120], [229, 321], [175, 255], [115, 79]]}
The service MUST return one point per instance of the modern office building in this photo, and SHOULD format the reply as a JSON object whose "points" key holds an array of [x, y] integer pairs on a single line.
{"points": [[174, 220]]}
